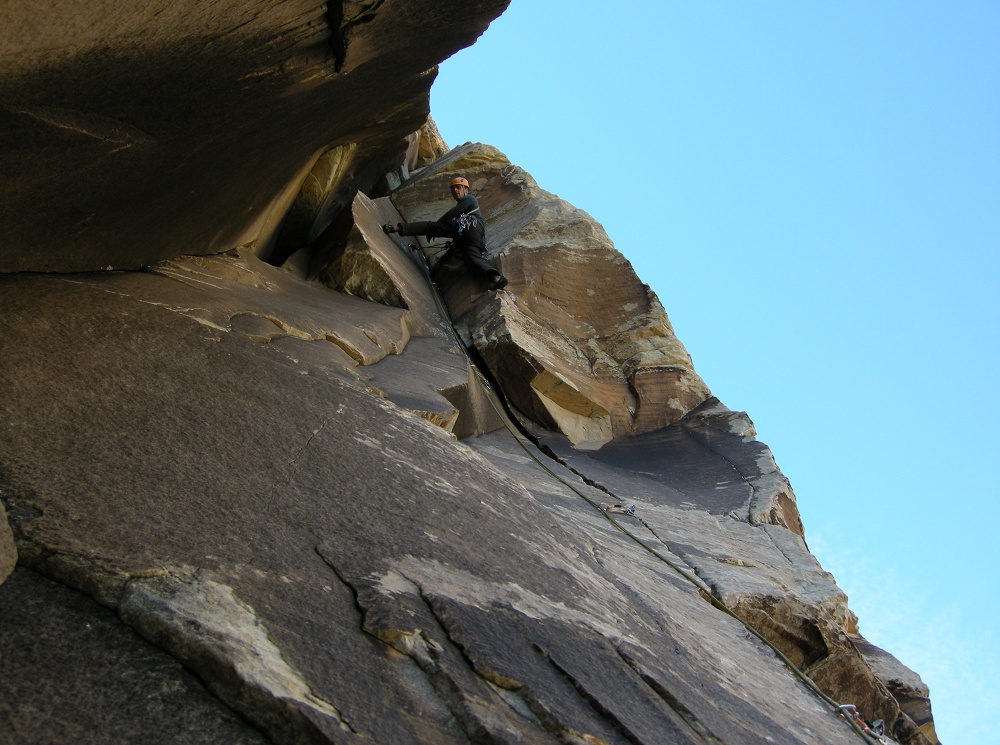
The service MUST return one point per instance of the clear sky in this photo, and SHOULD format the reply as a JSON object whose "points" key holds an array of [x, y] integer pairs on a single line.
{"points": [[813, 191]]}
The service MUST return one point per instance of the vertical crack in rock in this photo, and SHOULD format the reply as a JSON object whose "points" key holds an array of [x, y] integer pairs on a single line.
{"points": [[490, 676], [295, 457], [591, 699], [541, 714], [416, 644], [343, 19], [705, 584], [600, 487], [338, 43], [401, 612], [671, 700]]}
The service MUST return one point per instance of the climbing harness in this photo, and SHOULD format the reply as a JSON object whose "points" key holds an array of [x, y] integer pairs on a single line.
{"points": [[873, 734]]}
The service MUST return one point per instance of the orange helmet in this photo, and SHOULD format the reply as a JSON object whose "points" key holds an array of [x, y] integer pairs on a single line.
{"points": [[459, 181]]}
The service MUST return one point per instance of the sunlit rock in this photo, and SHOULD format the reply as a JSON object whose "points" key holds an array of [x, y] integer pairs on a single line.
{"points": [[904, 684], [584, 345]]}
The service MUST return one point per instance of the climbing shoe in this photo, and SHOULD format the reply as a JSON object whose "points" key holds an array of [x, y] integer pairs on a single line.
{"points": [[499, 283]]}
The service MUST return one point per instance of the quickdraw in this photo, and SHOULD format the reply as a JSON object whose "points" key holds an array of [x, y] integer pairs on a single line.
{"points": [[877, 728]]}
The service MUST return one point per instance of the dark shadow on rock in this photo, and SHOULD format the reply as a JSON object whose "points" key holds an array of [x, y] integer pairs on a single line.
{"points": [[72, 664]]}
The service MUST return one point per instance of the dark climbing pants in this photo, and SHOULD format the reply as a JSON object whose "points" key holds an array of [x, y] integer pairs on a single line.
{"points": [[471, 244]]}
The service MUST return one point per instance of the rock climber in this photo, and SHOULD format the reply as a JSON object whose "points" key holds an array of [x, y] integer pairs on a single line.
{"points": [[465, 225]]}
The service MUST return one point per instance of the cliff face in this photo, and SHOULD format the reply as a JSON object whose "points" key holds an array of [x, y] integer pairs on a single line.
{"points": [[135, 132], [245, 503]]}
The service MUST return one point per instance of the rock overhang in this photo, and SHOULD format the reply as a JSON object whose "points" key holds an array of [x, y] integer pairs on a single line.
{"points": [[189, 128]]}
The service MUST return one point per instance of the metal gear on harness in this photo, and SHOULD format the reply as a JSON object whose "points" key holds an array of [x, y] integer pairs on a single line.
{"points": [[618, 509], [875, 731], [465, 222]]}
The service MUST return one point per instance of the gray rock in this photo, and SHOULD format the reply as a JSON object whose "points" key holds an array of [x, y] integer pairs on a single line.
{"points": [[71, 671], [256, 472], [310, 549]]}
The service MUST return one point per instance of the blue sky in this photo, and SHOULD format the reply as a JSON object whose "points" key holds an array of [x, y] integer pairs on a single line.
{"points": [[813, 191]]}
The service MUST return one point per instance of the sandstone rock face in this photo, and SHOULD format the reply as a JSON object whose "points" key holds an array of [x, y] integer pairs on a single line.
{"points": [[284, 509], [430, 146], [905, 686], [289, 494], [137, 132], [595, 359]]}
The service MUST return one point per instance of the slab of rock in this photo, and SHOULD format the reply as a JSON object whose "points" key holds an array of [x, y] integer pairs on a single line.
{"points": [[155, 474], [584, 346], [237, 288], [71, 671], [334, 567], [756, 566], [357, 258], [709, 439], [436, 381]]}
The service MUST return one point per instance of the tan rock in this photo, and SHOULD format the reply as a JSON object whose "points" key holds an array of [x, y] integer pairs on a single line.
{"points": [[323, 193], [580, 343], [361, 260], [430, 145], [904, 684], [236, 285], [8, 552]]}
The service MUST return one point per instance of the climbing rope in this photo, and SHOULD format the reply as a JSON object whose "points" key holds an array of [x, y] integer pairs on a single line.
{"points": [[848, 712]]}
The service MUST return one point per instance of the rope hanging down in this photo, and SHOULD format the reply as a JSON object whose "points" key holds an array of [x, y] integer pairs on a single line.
{"points": [[848, 712]]}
